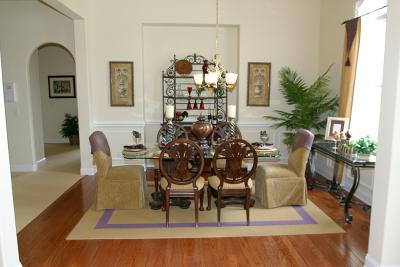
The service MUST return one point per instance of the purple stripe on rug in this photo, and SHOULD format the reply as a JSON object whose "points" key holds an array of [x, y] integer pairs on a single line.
{"points": [[107, 214]]}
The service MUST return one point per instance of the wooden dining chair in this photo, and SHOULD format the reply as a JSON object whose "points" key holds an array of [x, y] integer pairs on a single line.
{"points": [[181, 164], [180, 132], [220, 131], [233, 180], [220, 134]]}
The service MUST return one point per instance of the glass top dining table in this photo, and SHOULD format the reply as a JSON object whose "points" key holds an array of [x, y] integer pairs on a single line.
{"points": [[153, 152]]}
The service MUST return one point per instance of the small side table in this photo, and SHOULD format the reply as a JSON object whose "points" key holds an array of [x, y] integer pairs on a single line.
{"points": [[327, 149]]}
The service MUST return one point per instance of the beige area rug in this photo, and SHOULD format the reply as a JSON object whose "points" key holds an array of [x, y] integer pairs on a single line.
{"points": [[33, 192], [150, 224]]}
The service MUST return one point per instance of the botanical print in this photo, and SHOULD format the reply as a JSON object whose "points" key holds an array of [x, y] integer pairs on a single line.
{"points": [[121, 75], [121, 82], [258, 84]]}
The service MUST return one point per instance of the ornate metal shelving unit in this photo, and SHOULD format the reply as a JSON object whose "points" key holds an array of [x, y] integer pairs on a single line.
{"points": [[174, 86]]}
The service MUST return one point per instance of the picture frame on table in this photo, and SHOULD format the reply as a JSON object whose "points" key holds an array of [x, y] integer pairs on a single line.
{"points": [[258, 84], [336, 125], [121, 83], [62, 86]]}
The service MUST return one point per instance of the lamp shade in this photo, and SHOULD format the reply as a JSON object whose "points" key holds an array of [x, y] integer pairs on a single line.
{"points": [[211, 78], [198, 78], [231, 78]]}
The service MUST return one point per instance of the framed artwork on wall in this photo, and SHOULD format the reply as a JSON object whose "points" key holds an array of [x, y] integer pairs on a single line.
{"points": [[258, 84], [121, 83], [336, 125], [62, 86]]}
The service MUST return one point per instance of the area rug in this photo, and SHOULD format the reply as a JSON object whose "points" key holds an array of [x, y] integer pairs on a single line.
{"points": [[150, 224]]}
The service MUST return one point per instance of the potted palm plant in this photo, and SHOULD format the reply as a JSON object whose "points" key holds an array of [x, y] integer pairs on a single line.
{"points": [[310, 104], [70, 129]]}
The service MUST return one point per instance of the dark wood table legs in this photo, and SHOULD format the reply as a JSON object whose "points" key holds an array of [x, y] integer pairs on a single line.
{"points": [[333, 186], [347, 201]]}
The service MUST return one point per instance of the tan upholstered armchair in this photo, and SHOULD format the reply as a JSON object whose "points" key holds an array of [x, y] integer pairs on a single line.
{"points": [[284, 185], [119, 187]]}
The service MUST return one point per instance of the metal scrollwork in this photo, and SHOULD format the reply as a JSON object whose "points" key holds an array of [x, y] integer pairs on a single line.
{"points": [[170, 101], [195, 59]]}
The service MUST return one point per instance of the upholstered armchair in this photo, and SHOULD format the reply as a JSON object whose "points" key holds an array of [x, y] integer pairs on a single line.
{"points": [[285, 184], [118, 187]]}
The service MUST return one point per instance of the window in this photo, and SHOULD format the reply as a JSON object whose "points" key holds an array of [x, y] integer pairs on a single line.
{"points": [[368, 85]]}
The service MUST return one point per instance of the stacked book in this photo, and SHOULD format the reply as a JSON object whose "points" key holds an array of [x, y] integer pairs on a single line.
{"points": [[131, 151]]}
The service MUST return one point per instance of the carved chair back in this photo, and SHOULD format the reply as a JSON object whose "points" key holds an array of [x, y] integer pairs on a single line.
{"points": [[234, 152], [180, 132], [181, 162], [220, 133]]}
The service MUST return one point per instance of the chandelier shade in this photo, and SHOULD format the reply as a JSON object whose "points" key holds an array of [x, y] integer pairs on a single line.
{"points": [[214, 74]]}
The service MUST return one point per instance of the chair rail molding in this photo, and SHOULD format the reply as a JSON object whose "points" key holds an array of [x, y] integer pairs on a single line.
{"points": [[117, 124]]}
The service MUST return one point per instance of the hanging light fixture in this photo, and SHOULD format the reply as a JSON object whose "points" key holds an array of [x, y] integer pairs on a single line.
{"points": [[214, 74]]}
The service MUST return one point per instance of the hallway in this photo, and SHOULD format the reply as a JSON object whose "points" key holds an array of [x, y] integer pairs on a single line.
{"points": [[34, 191]]}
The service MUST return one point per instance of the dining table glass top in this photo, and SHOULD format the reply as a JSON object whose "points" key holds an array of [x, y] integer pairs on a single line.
{"points": [[153, 152]]}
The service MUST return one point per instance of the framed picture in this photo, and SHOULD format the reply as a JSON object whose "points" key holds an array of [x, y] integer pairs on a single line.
{"points": [[258, 84], [336, 125], [121, 83], [62, 86]]}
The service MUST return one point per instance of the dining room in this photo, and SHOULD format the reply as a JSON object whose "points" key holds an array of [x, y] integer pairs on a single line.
{"points": [[218, 125]]}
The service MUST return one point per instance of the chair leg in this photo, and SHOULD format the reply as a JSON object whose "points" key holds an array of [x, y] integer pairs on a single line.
{"points": [[219, 208], [167, 208], [248, 206], [202, 199], [196, 208], [164, 195], [208, 198]]}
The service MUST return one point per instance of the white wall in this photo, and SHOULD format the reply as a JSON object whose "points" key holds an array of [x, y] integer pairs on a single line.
{"points": [[332, 32], [37, 124], [55, 60], [383, 249], [8, 234], [285, 33], [24, 26]]}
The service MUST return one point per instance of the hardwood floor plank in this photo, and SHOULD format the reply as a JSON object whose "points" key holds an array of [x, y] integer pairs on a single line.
{"points": [[42, 243]]}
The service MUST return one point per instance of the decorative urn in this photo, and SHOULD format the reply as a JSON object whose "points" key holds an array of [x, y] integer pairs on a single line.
{"points": [[202, 129]]}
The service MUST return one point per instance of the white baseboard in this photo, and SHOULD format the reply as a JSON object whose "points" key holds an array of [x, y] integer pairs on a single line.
{"points": [[27, 167], [372, 262], [40, 163], [88, 171], [56, 140]]}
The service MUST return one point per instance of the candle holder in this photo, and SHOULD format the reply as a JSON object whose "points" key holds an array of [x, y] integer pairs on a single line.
{"points": [[170, 132], [231, 128]]}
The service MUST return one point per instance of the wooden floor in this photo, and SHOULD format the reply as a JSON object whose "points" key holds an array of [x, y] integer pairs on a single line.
{"points": [[42, 243]]}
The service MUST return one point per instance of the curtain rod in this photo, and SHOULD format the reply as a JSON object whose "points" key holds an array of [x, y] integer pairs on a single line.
{"points": [[364, 14]]}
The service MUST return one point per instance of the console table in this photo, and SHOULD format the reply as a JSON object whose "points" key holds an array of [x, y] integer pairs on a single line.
{"points": [[352, 161]]}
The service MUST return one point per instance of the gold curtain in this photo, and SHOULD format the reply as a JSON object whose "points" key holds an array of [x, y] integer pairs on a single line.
{"points": [[349, 69], [350, 56]]}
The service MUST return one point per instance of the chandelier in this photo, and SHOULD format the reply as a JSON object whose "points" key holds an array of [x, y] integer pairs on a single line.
{"points": [[214, 75]]}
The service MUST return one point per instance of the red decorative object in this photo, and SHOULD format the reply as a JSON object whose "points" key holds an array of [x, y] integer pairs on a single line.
{"points": [[195, 104], [189, 105], [201, 104], [189, 89]]}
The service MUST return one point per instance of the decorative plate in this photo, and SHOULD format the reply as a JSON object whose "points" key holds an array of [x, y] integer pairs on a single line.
{"points": [[183, 66]]}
